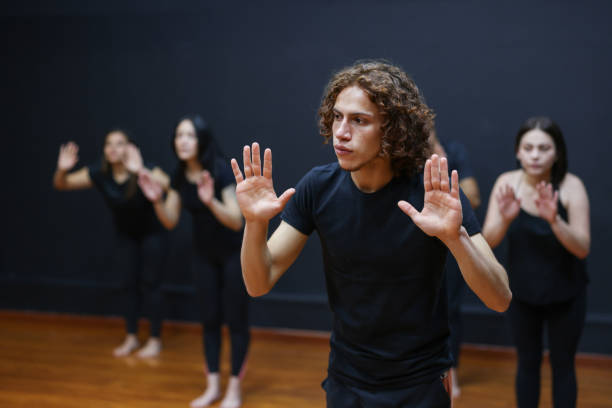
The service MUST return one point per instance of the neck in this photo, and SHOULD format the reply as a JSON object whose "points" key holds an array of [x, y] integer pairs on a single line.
{"points": [[193, 164], [118, 168], [373, 176], [534, 180]]}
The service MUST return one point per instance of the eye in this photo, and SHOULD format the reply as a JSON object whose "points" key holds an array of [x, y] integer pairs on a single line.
{"points": [[527, 148], [336, 116]]}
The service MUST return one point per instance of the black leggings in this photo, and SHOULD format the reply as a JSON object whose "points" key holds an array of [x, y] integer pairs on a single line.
{"points": [[223, 298], [140, 263], [565, 322]]}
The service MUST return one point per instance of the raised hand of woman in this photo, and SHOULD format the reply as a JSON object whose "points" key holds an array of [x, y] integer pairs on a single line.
{"points": [[68, 156]]}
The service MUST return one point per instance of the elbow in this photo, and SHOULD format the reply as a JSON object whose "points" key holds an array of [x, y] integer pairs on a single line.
{"points": [[257, 292], [169, 225], [502, 303]]}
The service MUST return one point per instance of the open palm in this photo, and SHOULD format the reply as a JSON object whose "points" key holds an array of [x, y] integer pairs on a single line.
{"points": [[68, 156], [255, 191], [149, 186], [442, 214], [546, 202], [509, 205]]}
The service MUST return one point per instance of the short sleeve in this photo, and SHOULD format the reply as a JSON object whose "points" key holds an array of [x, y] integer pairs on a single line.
{"points": [[470, 222], [96, 175], [300, 209], [224, 175], [460, 160]]}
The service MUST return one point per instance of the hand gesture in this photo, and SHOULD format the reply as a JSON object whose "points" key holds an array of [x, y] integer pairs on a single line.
{"points": [[68, 156], [206, 187], [255, 191], [509, 205], [441, 216], [132, 160], [546, 202], [149, 186]]}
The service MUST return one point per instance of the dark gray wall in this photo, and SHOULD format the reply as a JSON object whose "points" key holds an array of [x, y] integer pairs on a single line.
{"points": [[71, 70]]}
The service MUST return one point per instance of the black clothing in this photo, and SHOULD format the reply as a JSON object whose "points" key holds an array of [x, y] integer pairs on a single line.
{"points": [[133, 214], [457, 157], [217, 272], [427, 395], [383, 275], [564, 321], [140, 247], [540, 269]]}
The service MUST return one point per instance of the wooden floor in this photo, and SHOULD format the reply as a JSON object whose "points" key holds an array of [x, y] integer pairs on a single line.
{"points": [[65, 361]]}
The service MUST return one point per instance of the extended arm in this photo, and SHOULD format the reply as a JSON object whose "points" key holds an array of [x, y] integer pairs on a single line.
{"points": [[263, 262], [65, 180], [442, 217], [225, 210]]}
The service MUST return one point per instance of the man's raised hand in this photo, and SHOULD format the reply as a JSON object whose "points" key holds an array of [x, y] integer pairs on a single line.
{"points": [[254, 190], [442, 214]]}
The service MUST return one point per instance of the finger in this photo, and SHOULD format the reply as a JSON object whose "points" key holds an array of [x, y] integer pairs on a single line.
{"points": [[408, 209], [556, 196], [427, 176], [237, 172], [284, 198], [246, 160], [256, 160], [455, 184], [435, 172], [267, 167], [444, 185]]}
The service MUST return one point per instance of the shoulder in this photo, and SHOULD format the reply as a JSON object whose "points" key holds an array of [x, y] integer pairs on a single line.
{"points": [[510, 177], [322, 174], [571, 188]]}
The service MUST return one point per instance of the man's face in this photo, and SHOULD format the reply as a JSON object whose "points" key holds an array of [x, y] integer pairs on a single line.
{"points": [[357, 130]]}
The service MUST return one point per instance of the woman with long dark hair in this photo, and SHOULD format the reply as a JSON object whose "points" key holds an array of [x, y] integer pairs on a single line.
{"points": [[544, 211], [204, 184], [140, 240]]}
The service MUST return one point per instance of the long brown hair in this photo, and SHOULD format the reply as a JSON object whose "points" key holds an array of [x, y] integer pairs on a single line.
{"points": [[407, 117]]}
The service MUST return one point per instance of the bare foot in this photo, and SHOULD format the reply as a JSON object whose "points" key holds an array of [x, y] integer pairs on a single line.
{"points": [[233, 394], [456, 389], [211, 394], [129, 344], [151, 348]]}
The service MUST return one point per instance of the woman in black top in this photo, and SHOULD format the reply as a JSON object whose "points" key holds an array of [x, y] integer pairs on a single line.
{"points": [[204, 184], [544, 211], [140, 245]]}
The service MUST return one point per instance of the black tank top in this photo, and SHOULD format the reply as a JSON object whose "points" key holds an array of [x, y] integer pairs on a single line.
{"points": [[541, 270]]}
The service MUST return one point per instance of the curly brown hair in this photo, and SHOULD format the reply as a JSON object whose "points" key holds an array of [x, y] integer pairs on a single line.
{"points": [[407, 118]]}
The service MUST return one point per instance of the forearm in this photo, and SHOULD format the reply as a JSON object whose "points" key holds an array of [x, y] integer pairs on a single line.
{"points": [[166, 216], [227, 217], [59, 179], [481, 271], [577, 244], [495, 231], [256, 259]]}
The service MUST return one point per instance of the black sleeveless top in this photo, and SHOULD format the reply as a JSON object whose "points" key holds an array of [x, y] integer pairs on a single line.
{"points": [[541, 270]]}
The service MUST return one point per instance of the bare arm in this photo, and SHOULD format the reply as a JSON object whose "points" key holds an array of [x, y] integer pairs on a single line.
{"points": [[225, 210], [263, 262], [442, 217], [471, 191], [575, 233], [168, 211], [504, 207], [63, 179]]}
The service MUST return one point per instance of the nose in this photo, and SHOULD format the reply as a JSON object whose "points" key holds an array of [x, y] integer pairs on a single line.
{"points": [[343, 131]]}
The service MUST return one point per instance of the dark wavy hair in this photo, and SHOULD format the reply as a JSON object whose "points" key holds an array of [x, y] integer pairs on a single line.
{"points": [[407, 118], [546, 124], [208, 149], [132, 181]]}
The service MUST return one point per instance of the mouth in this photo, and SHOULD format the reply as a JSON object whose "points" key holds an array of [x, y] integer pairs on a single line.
{"points": [[342, 150]]}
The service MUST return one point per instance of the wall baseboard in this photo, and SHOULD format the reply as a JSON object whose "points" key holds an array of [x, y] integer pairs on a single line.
{"points": [[280, 310]]}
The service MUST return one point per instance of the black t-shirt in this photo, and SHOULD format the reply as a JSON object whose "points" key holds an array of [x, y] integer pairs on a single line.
{"points": [[383, 277], [540, 269], [210, 236], [133, 214]]}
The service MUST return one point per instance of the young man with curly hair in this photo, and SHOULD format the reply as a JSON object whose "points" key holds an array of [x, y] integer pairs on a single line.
{"points": [[383, 258]]}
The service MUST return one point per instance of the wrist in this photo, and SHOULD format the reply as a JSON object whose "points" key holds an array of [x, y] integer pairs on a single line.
{"points": [[453, 239], [554, 220]]}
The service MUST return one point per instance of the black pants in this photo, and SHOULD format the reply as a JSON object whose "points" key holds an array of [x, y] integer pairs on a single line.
{"points": [[455, 286], [564, 322], [140, 261], [428, 395], [223, 298]]}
